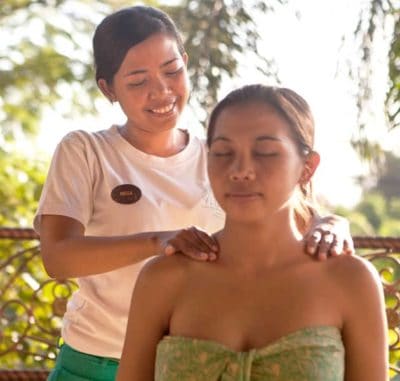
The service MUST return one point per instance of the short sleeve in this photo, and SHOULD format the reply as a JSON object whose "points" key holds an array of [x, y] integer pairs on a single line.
{"points": [[68, 188]]}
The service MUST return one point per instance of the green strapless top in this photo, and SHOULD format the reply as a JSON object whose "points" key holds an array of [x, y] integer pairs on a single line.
{"points": [[309, 354]]}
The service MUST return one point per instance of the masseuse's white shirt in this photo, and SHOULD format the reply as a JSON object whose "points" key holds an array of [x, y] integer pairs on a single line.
{"points": [[159, 194]]}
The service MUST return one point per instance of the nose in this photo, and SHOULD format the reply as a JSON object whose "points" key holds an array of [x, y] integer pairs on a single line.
{"points": [[242, 170], [159, 87]]}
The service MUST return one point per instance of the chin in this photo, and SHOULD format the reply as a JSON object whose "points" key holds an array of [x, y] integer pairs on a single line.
{"points": [[166, 125]]}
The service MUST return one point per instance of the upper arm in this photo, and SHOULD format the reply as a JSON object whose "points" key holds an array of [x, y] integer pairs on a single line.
{"points": [[65, 203], [151, 307], [54, 229], [365, 326], [68, 190]]}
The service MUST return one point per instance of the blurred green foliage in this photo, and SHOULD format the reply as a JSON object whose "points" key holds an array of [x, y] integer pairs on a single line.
{"points": [[21, 180], [378, 212], [372, 27], [217, 33]]}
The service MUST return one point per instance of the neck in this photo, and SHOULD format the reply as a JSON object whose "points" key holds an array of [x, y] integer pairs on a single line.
{"points": [[164, 143], [260, 244]]}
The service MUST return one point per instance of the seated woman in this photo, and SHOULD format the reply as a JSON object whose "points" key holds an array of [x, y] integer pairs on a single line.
{"points": [[269, 312]]}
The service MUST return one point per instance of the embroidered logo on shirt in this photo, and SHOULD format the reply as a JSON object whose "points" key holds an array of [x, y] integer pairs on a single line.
{"points": [[126, 194]]}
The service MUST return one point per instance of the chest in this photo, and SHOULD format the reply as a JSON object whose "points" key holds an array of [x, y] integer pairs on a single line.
{"points": [[253, 312]]}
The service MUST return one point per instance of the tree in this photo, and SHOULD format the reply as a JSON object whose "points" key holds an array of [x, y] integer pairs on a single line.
{"points": [[44, 61], [21, 182], [374, 19], [378, 212], [217, 34], [388, 181]]}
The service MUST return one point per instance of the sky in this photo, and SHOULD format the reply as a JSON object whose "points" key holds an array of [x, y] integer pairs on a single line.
{"points": [[306, 40]]}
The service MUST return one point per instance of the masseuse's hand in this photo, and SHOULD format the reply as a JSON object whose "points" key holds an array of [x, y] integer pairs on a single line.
{"points": [[191, 242], [329, 236]]}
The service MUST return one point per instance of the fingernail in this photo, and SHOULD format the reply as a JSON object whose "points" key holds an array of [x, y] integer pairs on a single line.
{"points": [[169, 249], [214, 248], [203, 255], [213, 257]]}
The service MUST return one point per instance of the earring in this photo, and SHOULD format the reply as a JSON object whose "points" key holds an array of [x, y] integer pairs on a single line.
{"points": [[303, 188], [303, 182]]}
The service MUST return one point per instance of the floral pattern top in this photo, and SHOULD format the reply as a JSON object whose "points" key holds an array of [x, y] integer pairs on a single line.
{"points": [[309, 354]]}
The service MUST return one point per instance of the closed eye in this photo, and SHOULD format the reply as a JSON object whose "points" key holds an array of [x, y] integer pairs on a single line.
{"points": [[137, 84], [174, 72], [222, 154], [266, 154]]}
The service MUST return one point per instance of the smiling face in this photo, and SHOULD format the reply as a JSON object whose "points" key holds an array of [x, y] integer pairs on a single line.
{"points": [[151, 84], [254, 162]]}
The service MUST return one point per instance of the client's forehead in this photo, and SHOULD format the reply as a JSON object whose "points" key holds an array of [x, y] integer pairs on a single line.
{"points": [[253, 119]]}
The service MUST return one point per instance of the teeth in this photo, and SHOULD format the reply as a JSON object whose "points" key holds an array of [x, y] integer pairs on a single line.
{"points": [[163, 110]]}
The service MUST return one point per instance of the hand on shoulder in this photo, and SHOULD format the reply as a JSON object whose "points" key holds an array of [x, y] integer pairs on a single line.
{"points": [[192, 242]]}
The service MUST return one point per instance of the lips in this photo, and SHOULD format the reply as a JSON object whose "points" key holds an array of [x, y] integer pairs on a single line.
{"points": [[243, 195]]}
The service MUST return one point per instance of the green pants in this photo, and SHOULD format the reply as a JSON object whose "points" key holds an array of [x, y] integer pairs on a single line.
{"points": [[72, 365]]}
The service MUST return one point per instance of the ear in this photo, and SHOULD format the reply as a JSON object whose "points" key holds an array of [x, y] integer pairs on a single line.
{"points": [[107, 90], [310, 165]]}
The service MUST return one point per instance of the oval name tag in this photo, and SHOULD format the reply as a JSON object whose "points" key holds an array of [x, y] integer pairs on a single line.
{"points": [[126, 194]]}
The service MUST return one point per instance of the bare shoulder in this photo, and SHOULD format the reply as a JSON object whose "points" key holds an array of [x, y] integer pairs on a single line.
{"points": [[168, 271], [162, 264], [354, 272]]}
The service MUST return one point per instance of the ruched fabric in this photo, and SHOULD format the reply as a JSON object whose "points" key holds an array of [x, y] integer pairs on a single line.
{"points": [[309, 354]]}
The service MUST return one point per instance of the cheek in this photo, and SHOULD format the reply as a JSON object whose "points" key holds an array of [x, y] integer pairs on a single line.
{"points": [[130, 107], [129, 96], [183, 87], [212, 173], [296, 168], [218, 167], [281, 174], [292, 161], [216, 176]]}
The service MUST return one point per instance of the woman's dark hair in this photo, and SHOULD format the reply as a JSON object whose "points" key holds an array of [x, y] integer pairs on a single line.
{"points": [[295, 110], [287, 103], [122, 30]]}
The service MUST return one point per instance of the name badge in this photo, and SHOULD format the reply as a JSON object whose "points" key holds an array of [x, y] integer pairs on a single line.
{"points": [[126, 194]]}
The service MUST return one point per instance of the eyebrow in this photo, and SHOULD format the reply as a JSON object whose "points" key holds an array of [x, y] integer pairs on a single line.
{"points": [[258, 138], [141, 71], [268, 137]]}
